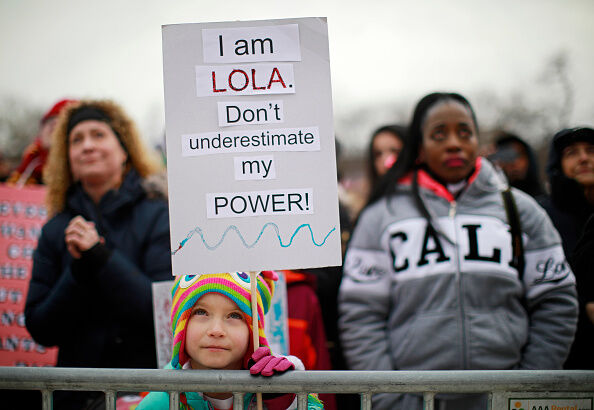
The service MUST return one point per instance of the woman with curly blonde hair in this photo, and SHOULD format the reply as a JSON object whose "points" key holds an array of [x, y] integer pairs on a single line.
{"points": [[58, 174], [106, 242]]}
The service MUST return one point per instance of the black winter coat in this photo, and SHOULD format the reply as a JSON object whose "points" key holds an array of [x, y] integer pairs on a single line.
{"points": [[569, 210], [98, 309]]}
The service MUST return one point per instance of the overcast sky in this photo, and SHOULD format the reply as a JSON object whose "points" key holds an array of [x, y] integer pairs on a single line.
{"points": [[380, 50]]}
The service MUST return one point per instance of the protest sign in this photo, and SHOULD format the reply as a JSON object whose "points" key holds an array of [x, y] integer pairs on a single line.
{"points": [[250, 146], [22, 214]]}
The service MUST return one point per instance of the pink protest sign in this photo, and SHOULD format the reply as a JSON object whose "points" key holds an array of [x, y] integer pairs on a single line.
{"points": [[22, 214]]}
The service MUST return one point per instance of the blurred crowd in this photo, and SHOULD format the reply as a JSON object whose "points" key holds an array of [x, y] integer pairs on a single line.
{"points": [[458, 253]]}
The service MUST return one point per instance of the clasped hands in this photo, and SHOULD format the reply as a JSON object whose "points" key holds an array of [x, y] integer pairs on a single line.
{"points": [[81, 235]]}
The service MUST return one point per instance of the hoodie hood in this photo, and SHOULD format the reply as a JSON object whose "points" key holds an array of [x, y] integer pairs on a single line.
{"points": [[531, 181], [566, 193]]}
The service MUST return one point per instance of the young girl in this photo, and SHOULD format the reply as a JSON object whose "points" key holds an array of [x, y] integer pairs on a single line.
{"points": [[429, 281], [212, 329]]}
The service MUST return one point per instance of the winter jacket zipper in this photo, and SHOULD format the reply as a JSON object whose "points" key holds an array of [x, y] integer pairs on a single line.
{"points": [[452, 215]]}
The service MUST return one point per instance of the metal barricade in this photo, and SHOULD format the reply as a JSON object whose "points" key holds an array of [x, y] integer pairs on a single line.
{"points": [[499, 385]]}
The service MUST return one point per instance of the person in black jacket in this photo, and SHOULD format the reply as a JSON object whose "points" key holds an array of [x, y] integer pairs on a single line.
{"points": [[571, 201], [583, 260], [570, 170], [106, 242]]}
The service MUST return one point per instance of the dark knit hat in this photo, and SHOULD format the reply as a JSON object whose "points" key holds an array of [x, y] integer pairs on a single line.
{"points": [[571, 135], [91, 112], [85, 113]]}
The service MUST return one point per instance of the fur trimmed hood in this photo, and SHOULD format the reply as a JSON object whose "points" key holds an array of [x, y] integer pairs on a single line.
{"points": [[57, 173]]}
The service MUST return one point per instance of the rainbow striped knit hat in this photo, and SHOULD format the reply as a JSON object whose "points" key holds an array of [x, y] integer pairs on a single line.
{"points": [[236, 286]]}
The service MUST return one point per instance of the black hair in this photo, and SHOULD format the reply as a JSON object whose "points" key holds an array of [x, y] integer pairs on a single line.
{"points": [[399, 131], [407, 160], [410, 151]]}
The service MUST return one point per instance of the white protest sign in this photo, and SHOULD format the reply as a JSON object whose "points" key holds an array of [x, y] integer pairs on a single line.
{"points": [[250, 146], [162, 321]]}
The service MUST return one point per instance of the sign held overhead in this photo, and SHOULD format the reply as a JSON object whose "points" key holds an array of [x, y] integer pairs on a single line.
{"points": [[250, 146]]}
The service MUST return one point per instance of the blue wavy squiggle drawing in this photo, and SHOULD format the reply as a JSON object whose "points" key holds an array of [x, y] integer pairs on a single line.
{"points": [[200, 232]]}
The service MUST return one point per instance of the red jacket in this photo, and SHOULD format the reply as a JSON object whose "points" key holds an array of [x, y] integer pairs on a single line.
{"points": [[31, 167], [307, 339]]}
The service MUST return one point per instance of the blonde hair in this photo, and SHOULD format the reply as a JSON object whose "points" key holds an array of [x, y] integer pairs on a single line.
{"points": [[57, 174]]}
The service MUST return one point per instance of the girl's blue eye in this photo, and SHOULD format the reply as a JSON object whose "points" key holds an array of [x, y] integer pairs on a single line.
{"points": [[236, 315], [199, 312], [242, 278]]}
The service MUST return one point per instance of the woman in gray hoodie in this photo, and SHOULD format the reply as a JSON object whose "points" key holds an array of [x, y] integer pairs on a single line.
{"points": [[431, 280]]}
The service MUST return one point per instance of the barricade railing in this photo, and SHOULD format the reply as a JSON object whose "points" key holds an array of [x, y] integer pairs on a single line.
{"points": [[501, 386]]}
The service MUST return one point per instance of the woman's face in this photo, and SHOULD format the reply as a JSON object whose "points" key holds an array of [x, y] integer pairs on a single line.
{"points": [[385, 149], [95, 153], [450, 144], [515, 168]]}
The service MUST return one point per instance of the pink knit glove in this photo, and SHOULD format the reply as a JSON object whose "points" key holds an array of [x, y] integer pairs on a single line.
{"points": [[266, 364]]}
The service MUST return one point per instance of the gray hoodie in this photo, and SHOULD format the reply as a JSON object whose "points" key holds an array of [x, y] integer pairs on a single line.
{"points": [[412, 299]]}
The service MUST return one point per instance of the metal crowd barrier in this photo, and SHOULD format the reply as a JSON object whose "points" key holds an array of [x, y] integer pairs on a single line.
{"points": [[501, 386]]}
